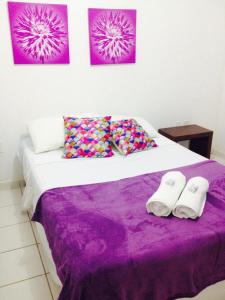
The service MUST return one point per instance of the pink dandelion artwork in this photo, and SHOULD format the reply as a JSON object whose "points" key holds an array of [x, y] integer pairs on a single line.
{"points": [[112, 35], [39, 33]]}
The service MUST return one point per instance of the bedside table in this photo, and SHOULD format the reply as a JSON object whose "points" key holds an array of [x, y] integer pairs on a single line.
{"points": [[200, 138]]}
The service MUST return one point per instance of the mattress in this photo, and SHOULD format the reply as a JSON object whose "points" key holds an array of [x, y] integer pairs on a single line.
{"points": [[49, 170]]}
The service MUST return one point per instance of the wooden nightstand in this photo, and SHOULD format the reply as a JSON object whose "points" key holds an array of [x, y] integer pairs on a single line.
{"points": [[200, 138]]}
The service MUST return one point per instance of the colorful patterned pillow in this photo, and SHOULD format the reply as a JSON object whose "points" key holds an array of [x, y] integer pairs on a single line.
{"points": [[128, 136], [87, 137]]}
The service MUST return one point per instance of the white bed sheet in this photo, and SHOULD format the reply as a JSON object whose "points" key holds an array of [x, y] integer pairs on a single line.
{"points": [[49, 170]]}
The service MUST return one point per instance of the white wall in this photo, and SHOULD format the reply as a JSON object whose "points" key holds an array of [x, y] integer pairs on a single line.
{"points": [[220, 129], [178, 74]]}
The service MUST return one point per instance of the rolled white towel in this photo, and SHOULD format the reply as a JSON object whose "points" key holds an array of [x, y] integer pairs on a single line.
{"points": [[163, 200], [192, 200]]}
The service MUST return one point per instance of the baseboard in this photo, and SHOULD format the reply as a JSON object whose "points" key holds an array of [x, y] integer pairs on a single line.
{"points": [[5, 185]]}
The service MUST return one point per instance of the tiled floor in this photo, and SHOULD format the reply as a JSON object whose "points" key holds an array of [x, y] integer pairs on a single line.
{"points": [[23, 272]]}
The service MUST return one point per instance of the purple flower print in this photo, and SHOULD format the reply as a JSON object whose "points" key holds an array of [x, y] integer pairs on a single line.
{"points": [[39, 33], [112, 36]]}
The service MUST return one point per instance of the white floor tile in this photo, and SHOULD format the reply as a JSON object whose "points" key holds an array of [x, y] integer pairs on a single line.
{"points": [[11, 215], [22, 187], [34, 226], [30, 214], [43, 257], [16, 236], [19, 265], [32, 289], [54, 287], [215, 292], [10, 197]]}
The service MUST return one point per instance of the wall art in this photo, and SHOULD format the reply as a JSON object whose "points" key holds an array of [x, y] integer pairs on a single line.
{"points": [[112, 36], [39, 33]]}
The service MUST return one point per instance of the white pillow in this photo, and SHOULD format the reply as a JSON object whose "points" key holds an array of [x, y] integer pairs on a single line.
{"points": [[47, 133]]}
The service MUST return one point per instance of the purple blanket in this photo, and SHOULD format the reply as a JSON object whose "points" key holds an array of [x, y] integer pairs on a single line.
{"points": [[106, 247]]}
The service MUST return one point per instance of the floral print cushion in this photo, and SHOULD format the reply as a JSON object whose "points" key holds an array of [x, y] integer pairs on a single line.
{"points": [[87, 137], [128, 136]]}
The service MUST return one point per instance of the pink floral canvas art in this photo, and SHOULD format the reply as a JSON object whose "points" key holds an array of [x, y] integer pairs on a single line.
{"points": [[112, 34], [39, 33]]}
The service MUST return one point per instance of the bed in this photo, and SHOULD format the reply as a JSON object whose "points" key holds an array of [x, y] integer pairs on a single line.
{"points": [[50, 172]]}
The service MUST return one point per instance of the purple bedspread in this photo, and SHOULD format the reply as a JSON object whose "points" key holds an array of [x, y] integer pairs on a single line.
{"points": [[106, 247]]}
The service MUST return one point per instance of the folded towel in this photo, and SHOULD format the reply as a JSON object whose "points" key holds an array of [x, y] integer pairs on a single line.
{"points": [[163, 200], [192, 200]]}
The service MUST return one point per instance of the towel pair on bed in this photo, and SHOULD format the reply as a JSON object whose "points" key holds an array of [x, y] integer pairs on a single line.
{"points": [[174, 195]]}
